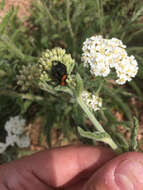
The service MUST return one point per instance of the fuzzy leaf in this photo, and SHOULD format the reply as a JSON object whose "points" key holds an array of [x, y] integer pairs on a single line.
{"points": [[96, 136], [79, 84], [25, 106], [63, 89], [133, 140]]}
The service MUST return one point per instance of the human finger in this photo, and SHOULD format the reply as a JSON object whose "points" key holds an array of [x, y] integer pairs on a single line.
{"points": [[58, 167], [123, 172]]}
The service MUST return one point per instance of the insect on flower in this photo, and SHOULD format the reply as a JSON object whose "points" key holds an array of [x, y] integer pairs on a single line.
{"points": [[59, 72]]}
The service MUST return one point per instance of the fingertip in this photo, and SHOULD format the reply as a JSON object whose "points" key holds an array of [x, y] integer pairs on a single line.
{"points": [[122, 172]]}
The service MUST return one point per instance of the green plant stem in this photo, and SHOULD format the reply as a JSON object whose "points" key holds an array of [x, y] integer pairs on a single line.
{"points": [[50, 15], [99, 88], [97, 125], [100, 15], [68, 19]]}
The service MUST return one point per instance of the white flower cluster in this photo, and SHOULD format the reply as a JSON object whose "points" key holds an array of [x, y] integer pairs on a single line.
{"points": [[92, 101], [101, 55], [16, 134]]}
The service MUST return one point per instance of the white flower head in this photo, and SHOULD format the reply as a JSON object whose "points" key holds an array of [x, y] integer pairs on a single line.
{"points": [[15, 128], [92, 101], [101, 55], [15, 125], [23, 141], [11, 140]]}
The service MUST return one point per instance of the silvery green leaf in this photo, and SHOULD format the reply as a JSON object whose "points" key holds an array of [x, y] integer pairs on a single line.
{"points": [[134, 133], [121, 141], [63, 89], [79, 84], [96, 136], [47, 87]]}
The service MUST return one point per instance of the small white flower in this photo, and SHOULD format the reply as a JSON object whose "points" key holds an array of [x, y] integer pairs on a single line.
{"points": [[16, 134], [92, 101], [23, 141], [116, 42], [11, 140], [101, 55], [122, 79], [15, 125]]}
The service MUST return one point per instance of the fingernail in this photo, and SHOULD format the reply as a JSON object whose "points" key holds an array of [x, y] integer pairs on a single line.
{"points": [[129, 175]]}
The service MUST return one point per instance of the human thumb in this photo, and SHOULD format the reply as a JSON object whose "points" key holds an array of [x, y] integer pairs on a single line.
{"points": [[124, 172]]}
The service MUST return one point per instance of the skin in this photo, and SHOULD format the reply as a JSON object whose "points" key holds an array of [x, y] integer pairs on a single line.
{"points": [[74, 168]]}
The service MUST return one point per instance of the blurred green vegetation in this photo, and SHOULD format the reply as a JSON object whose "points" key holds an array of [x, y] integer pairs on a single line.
{"points": [[67, 23]]}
